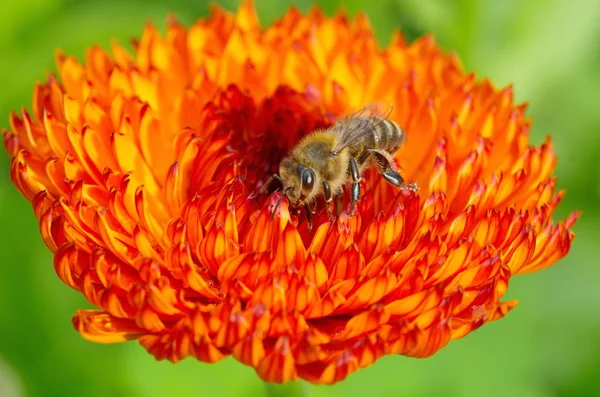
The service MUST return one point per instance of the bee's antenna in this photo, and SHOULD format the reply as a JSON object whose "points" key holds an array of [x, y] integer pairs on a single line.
{"points": [[264, 187]]}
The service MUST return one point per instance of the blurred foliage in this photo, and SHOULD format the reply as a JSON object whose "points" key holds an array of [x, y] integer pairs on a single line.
{"points": [[548, 346]]}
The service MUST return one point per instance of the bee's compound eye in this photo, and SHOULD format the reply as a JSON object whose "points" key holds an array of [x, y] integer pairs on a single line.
{"points": [[308, 180]]}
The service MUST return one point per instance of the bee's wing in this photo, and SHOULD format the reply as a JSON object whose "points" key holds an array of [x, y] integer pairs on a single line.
{"points": [[356, 126]]}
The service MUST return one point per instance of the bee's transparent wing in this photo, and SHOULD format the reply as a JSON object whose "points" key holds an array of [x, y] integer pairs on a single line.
{"points": [[355, 126]]}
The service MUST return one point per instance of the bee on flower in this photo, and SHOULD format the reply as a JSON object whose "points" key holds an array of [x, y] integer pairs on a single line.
{"points": [[324, 160], [142, 168]]}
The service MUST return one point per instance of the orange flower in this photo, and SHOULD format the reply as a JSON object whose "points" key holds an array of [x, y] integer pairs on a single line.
{"points": [[143, 171]]}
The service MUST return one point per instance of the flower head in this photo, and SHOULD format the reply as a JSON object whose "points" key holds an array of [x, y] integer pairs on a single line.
{"points": [[143, 171]]}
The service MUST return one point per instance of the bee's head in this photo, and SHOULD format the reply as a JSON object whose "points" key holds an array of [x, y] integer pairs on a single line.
{"points": [[299, 181]]}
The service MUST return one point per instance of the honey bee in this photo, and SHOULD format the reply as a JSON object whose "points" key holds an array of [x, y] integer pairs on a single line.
{"points": [[324, 160]]}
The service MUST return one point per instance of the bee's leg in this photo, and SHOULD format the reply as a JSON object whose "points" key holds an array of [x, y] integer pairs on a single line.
{"points": [[337, 200], [309, 214], [364, 157], [355, 193], [389, 173], [328, 198]]}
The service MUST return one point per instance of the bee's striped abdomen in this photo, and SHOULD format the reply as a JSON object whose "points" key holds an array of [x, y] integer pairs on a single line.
{"points": [[385, 135], [392, 136]]}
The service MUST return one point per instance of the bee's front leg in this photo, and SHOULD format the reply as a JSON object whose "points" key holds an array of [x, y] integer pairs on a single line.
{"points": [[309, 216], [328, 198], [355, 193]]}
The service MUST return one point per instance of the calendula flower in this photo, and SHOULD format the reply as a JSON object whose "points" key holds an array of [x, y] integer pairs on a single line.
{"points": [[144, 170]]}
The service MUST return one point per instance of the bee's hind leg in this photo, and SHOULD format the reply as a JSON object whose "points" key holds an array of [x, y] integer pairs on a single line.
{"points": [[355, 192], [389, 173]]}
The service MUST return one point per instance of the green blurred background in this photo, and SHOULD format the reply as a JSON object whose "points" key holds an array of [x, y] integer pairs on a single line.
{"points": [[548, 346]]}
